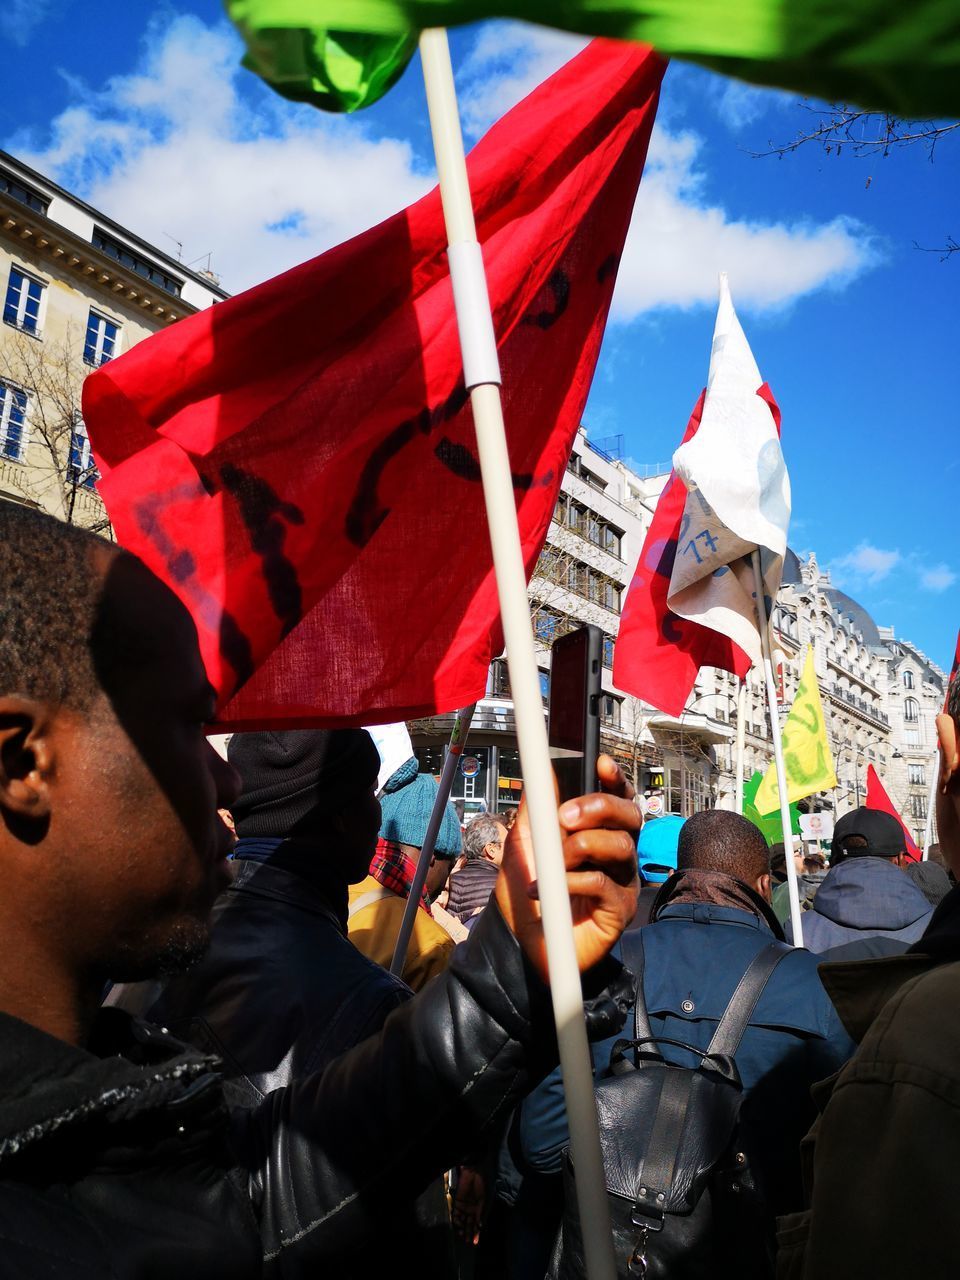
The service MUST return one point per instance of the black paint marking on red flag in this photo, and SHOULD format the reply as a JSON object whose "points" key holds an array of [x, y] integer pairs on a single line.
{"points": [[263, 513], [559, 285], [368, 511]]}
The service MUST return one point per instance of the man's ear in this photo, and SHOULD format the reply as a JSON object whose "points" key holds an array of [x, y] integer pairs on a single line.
{"points": [[949, 743], [26, 757], [763, 887]]}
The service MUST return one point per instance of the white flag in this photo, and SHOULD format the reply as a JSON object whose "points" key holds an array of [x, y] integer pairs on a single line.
{"points": [[738, 495]]}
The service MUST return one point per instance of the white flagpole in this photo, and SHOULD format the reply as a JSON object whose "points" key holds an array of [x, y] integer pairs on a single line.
{"points": [[931, 805], [482, 374], [741, 730], [793, 885], [458, 739]]}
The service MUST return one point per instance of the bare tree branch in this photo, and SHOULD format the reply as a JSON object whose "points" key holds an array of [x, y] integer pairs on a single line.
{"points": [[839, 128]]}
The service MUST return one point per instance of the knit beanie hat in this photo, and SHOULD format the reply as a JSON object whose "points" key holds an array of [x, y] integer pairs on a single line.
{"points": [[291, 773], [407, 802]]}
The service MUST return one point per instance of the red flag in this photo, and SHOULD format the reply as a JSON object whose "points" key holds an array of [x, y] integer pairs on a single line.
{"points": [[877, 798], [658, 654], [299, 463]]}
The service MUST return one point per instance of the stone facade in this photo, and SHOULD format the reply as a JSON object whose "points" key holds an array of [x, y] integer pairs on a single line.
{"points": [[77, 290]]}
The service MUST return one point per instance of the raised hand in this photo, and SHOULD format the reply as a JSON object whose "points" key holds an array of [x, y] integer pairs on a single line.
{"points": [[600, 854]]}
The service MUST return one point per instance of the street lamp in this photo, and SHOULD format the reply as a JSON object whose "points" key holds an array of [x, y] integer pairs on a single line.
{"points": [[861, 753]]}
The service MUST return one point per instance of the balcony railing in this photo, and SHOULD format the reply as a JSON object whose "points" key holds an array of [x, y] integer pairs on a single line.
{"points": [[844, 695]]}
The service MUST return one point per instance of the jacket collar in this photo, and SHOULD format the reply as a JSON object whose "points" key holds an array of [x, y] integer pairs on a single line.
{"points": [[272, 880], [47, 1084], [711, 913]]}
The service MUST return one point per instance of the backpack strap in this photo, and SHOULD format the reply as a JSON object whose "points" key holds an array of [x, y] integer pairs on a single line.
{"points": [[729, 1032], [631, 948]]}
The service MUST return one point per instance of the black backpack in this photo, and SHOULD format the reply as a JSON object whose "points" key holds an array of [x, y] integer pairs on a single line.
{"points": [[683, 1200]]}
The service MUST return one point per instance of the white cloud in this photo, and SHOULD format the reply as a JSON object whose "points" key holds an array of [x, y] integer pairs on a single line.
{"points": [[868, 562], [507, 61], [937, 578], [20, 18], [679, 240], [175, 150]]}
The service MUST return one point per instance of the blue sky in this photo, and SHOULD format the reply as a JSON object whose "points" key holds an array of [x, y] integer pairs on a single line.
{"points": [[143, 110]]}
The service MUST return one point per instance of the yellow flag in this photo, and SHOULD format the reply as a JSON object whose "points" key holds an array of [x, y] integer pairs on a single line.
{"points": [[807, 761]]}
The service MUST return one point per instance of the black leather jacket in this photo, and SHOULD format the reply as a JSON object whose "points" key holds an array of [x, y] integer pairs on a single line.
{"points": [[283, 992], [122, 1161]]}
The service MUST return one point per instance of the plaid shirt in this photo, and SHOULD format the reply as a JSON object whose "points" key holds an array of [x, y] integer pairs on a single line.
{"points": [[395, 870]]}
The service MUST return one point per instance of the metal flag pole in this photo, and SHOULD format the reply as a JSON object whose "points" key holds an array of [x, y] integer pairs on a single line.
{"points": [[741, 730], [793, 884], [458, 740], [482, 375]]}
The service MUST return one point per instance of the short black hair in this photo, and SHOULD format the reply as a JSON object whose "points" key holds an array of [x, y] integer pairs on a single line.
{"points": [[953, 697], [718, 840], [49, 595]]}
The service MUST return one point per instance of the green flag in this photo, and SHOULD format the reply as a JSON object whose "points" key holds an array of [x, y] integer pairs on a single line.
{"points": [[769, 823], [336, 69], [883, 54]]}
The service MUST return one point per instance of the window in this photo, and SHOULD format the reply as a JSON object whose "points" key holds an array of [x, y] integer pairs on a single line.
{"points": [[545, 685], [916, 775], [100, 343], [911, 737], [608, 652], [918, 806], [22, 306], [139, 266], [13, 412], [545, 626], [908, 680], [82, 469], [12, 186], [611, 540], [610, 710], [911, 711]]}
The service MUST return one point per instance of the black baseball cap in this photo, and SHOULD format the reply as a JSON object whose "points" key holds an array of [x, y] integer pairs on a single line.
{"points": [[882, 832]]}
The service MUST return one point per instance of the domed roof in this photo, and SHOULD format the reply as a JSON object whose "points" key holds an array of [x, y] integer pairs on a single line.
{"points": [[791, 569], [856, 613]]}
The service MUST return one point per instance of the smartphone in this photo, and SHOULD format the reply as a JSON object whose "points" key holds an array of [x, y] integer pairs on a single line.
{"points": [[574, 710]]}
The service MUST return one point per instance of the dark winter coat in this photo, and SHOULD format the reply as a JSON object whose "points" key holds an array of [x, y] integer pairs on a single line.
{"points": [[862, 898], [881, 1164], [120, 1160], [282, 992], [471, 887], [694, 956]]}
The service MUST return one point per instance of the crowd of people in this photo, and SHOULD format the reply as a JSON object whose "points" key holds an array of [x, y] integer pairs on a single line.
{"points": [[208, 1071]]}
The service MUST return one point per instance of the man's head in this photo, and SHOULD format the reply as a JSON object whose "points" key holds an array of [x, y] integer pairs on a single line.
{"points": [[310, 784], [111, 850], [483, 839], [407, 803], [717, 840], [869, 833]]}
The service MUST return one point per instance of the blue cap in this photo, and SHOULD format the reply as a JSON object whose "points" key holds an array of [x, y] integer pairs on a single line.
{"points": [[657, 848]]}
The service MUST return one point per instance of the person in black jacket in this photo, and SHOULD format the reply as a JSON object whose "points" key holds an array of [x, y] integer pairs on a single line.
{"points": [[118, 1156], [282, 991]]}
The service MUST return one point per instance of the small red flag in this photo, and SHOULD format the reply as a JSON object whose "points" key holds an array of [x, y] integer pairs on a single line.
{"points": [[658, 654], [877, 798], [299, 463]]}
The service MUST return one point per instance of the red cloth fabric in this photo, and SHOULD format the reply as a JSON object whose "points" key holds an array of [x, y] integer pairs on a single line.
{"points": [[395, 870], [877, 798], [299, 463], [658, 654]]}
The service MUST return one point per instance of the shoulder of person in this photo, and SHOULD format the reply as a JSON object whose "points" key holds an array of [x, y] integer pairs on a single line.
{"points": [[916, 1034]]}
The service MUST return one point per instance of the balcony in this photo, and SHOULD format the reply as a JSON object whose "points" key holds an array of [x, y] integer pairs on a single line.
{"points": [[865, 708]]}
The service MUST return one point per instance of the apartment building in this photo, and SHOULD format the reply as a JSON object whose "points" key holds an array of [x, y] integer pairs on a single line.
{"points": [[78, 289]]}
